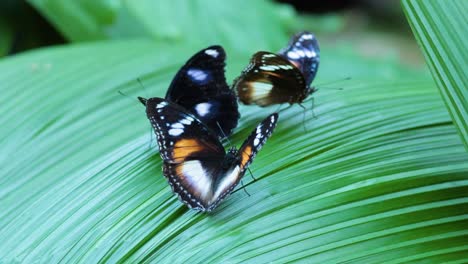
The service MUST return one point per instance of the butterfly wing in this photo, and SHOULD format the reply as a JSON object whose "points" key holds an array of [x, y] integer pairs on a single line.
{"points": [[304, 52], [200, 87], [256, 140], [192, 154], [270, 79], [237, 161]]}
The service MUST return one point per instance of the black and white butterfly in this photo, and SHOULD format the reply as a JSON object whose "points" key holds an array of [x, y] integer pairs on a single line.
{"points": [[196, 164], [200, 87], [285, 77]]}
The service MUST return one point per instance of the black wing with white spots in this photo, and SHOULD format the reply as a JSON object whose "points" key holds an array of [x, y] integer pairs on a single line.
{"points": [[304, 52], [255, 141], [181, 135], [225, 182], [270, 79], [196, 165], [192, 154], [200, 87]]}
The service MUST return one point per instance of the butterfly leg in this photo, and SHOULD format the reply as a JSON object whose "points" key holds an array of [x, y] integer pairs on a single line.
{"points": [[312, 108], [243, 187], [251, 175], [284, 109], [224, 135], [304, 117]]}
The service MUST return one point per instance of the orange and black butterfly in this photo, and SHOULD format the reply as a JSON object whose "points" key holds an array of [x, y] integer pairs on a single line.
{"points": [[196, 164], [285, 77], [200, 87]]}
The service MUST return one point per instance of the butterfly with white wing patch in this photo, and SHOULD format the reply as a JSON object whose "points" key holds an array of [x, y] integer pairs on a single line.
{"points": [[196, 164], [200, 87], [280, 78]]}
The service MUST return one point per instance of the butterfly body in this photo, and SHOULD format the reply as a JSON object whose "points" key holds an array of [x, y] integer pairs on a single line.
{"points": [[195, 163], [280, 78], [200, 87]]}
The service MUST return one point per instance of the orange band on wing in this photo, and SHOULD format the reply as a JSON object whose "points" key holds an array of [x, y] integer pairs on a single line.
{"points": [[184, 148], [246, 153]]}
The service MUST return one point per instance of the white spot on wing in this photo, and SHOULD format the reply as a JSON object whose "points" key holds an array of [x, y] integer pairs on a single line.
{"points": [[260, 89], [300, 53], [175, 131], [203, 108], [196, 176], [259, 129], [310, 53], [197, 75], [307, 36], [256, 141], [186, 121], [177, 125], [212, 52], [161, 104], [269, 67]]}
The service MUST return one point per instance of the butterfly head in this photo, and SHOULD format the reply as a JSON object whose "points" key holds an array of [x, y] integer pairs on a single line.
{"points": [[142, 100], [305, 93]]}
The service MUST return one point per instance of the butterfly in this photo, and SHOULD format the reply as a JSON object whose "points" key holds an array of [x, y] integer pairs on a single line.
{"points": [[285, 77], [200, 87], [195, 162]]}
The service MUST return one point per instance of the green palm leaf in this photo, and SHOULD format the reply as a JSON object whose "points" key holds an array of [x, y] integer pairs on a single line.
{"points": [[379, 175], [441, 29]]}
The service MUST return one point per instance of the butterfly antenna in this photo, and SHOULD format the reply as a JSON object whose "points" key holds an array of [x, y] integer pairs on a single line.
{"points": [[123, 94], [141, 84], [313, 107], [224, 134], [335, 81], [332, 88], [143, 101]]}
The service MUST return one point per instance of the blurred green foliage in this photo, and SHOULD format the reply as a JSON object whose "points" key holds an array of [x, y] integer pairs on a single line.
{"points": [[202, 22]]}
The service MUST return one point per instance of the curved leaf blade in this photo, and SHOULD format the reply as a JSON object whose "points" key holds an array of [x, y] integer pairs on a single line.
{"points": [[439, 27]]}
